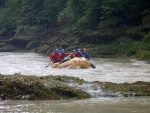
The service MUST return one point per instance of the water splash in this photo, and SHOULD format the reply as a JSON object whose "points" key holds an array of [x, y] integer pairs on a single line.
{"points": [[107, 69]]}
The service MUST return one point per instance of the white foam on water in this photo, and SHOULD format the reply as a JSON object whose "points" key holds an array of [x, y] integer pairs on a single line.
{"points": [[107, 69]]}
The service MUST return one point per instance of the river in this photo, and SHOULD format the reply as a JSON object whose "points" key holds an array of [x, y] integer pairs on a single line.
{"points": [[115, 70]]}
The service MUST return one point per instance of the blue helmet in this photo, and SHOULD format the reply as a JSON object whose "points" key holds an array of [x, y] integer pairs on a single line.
{"points": [[79, 49], [57, 50], [74, 50], [62, 50]]}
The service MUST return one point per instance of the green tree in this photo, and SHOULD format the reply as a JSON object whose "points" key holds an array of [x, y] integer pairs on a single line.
{"points": [[51, 11], [91, 15]]}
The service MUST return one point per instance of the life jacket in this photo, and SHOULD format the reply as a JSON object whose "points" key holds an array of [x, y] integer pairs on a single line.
{"points": [[73, 54], [76, 54], [54, 57], [86, 55], [60, 57], [65, 54]]}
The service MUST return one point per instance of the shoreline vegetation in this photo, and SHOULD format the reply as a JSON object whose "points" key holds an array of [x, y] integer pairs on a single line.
{"points": [[99, 51], [21, 87], [105, 28]]}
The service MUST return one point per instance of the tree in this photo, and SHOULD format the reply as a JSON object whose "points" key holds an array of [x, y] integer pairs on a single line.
{"points": [[51, 11]]}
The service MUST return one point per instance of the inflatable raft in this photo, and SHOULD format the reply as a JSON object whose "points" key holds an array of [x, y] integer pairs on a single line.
{"points": [[73, 63]]}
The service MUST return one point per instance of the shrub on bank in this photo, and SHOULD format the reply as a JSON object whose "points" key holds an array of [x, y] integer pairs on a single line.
{"points": [[143, 55], [7, 47]]}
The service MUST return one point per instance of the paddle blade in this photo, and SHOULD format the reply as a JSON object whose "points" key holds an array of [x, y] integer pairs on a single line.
{"points": [[46, 66], [92, 65]]}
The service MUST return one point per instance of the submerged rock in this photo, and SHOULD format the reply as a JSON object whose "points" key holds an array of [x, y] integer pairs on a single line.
{"points": [[19, 87], [138, 88], [34, 88]]}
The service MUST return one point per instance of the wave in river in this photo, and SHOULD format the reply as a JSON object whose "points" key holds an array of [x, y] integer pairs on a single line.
{"points": [[115, 70]]}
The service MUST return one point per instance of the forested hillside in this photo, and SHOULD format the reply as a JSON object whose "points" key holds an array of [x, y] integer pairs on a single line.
{"points": [[105, 27]]}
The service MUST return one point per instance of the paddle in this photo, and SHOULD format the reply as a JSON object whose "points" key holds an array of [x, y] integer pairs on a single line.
{"points": [[63, 60], [92, 65], [48, 64]]}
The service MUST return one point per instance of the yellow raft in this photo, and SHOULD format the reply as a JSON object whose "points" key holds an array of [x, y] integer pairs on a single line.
{"points": [[73, 63]]}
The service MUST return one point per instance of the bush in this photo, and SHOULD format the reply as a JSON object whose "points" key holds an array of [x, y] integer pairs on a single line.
{"points": [[32, 44], [147, 37], [135, 33], [26, 30], [143, 55], [42, 49], [146, 23]]}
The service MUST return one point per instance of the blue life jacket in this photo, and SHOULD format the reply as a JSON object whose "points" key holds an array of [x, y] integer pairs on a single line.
{"points": [[86, 55]]}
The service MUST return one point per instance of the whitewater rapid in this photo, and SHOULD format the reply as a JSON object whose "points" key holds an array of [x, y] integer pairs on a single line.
{"points": [[117, 70]]}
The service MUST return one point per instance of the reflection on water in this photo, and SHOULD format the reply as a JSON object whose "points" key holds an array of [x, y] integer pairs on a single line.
{"points": [[99, 105], [109, 69]]}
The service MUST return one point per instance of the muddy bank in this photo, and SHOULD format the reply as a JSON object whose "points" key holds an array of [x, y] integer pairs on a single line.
{"points": [[19, 87]]}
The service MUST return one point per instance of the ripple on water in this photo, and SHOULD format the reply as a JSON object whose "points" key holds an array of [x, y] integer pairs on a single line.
{"points": [[107, 69]]}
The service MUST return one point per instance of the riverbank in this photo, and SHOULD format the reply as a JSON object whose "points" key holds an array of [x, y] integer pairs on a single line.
{"points": [[132, 49], [21, 87]]}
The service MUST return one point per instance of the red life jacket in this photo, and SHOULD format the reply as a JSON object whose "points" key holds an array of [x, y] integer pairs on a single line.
{"points": [[76, 54], [66, 54], [60, 57], [53, 57]]}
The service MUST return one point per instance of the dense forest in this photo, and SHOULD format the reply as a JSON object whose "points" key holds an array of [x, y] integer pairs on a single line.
{"points": [[104, 27]]}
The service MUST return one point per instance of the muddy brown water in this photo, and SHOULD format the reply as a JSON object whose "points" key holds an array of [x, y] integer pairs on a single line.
{"points": [[115, 70]]}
